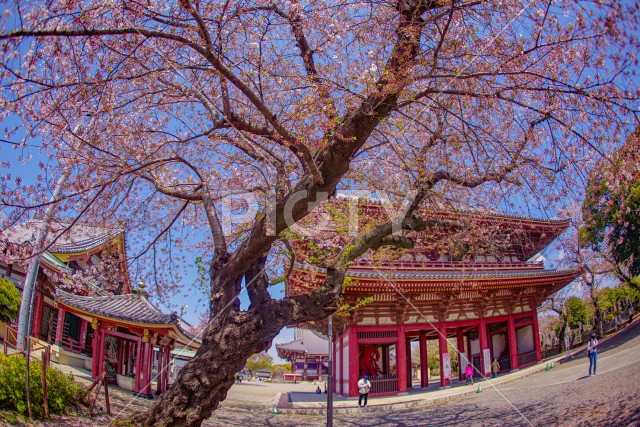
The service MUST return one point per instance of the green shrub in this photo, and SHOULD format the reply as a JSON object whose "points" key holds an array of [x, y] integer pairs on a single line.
{"points": [[62, 392], [9, 300]]}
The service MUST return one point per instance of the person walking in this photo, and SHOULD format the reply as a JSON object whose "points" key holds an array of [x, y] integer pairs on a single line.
{"points": [[592, 350], [495, 367], [469, 373], [363, 388], [567, 342]]}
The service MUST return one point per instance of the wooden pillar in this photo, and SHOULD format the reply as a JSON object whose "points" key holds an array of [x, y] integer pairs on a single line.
{"points": [[160, 377], [146, 389], [354, 367], [536, 335], [83, 334], [125, 357], [409, 365], [120, 363], [442, 348], [36, 325], [386, 360], [482, 335], [138, 367], [147, 363], [461, 353], [168, 372], [424, 361], [163, 369], [101, 352], [95, 350], [334, 365], [513, 344], [339, 365], [60, 325], [401, 360]]}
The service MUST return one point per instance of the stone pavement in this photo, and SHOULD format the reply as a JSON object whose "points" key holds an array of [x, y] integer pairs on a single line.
{"points": [[301, 400], [310, 403]]}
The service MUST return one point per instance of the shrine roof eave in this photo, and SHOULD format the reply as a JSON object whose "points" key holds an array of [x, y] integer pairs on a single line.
{"points": [[555, 280], [444, 283], [81, 238], [297, 347], [149, 316], [429, 276], [52, 262], [177, 333], [290, 355]]}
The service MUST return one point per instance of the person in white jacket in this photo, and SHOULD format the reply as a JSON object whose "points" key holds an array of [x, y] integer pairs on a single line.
{"points": [[364, 385], [592, 350]]}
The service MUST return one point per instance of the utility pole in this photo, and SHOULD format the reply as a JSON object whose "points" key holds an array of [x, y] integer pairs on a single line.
{"points": [[26, 304], [330, 376]]}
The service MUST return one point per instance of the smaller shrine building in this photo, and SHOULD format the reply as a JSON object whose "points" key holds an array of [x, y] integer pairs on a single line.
{"points": [[308, 354]]}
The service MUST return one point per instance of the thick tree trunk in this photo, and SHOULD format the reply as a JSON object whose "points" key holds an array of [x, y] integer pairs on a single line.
{"points": [[204, 382]]}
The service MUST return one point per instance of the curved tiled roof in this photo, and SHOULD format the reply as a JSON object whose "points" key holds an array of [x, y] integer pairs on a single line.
{"points": [[467, 211], [437, 275], [129, 307], [126, 307], [309, 342], [81, 237]]}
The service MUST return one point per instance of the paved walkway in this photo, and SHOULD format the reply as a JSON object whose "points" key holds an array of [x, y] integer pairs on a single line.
{"points": [[301, 398], [295, 402]]}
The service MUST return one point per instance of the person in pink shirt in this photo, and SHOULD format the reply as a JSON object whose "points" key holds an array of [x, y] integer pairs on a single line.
{"points": [[469, 373]]}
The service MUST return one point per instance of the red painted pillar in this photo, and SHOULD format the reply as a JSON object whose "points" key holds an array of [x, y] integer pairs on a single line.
{"points": [[424, 362], [37, 315], [513, 345], [484, 344], [167, 372], [536, 336], [60, 325], [138, 366], [334, 369], [101, 352], [125, 357], [461, 353], [354, 367], [338, 365], [95, 353], [401, 360], [160, 377], [83, 334], [147, 367], [442, 348], [163, 365], [409, 365]]}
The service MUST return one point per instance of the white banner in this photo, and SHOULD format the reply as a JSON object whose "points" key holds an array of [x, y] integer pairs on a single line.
{"points": [[487, 360], [446, 365]]}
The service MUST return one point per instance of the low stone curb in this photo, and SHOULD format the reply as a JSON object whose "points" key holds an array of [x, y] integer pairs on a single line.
{"points": [[418, 402]]}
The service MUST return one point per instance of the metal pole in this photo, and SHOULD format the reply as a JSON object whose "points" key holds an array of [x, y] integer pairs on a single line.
{"points": [[330, 376], [26, 304]]}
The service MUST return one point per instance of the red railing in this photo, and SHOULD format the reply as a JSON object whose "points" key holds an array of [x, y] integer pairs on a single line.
{"points": [[70, 344]]}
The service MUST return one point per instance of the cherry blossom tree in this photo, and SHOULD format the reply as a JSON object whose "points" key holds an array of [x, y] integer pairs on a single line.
{"points": [[612, 210], [176, 118]]}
